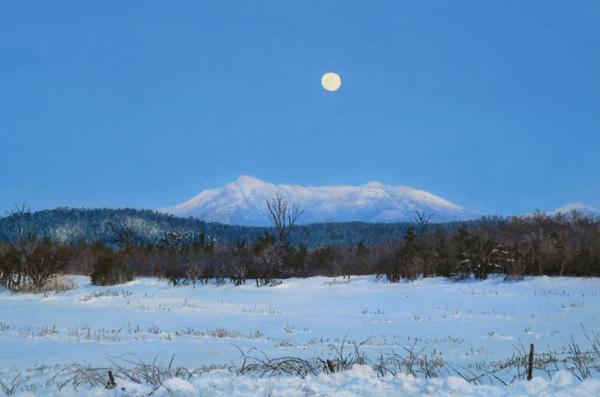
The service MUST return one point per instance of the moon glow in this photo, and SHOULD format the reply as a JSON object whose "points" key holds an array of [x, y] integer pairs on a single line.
{"points": [[331, 81]]}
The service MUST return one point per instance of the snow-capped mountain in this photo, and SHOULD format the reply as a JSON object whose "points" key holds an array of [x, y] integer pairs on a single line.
{"points": [[579, 207], [243, 202]]}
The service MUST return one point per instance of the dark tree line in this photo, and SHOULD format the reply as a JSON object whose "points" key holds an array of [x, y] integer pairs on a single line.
{"points": [[513, 247], [558, 245]]}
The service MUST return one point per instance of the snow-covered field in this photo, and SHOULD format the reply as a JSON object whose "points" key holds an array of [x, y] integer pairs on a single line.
{"points": [[462, 323]]}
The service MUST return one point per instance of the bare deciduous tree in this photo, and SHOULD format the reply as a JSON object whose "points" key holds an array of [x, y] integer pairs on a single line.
{"points": [[283, 215], [421, 220]]}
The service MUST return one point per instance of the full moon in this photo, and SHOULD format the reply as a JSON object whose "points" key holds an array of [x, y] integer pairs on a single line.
{"points": [[331, 81]]}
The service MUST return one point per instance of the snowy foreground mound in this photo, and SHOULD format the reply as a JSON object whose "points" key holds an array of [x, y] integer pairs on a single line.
{"points": [[360, 381]]}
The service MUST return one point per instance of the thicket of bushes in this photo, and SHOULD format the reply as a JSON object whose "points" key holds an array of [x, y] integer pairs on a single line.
{"points": [[514, 247], [30, 263]]}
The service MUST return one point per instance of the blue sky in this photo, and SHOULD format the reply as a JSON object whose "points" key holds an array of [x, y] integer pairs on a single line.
{"points": [[494, 105]]}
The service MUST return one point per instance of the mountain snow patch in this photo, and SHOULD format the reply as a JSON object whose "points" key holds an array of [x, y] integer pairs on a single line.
{"points": [[243, 202]]}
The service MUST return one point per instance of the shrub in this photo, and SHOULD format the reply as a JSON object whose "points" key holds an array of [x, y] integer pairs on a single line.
{"points": [[176, 275], [109, 269]]}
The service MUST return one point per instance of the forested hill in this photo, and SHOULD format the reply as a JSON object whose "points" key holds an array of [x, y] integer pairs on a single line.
{"points": [[90, 225]]}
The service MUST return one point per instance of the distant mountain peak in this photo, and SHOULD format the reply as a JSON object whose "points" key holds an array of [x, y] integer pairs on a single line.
{"points": [[374, 185], [243, 202], [247, 180], [579, 207]]}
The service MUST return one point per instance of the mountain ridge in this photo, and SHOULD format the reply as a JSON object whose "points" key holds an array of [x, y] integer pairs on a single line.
{"points": [[578, 207], [88, 225], [243, 202]]}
